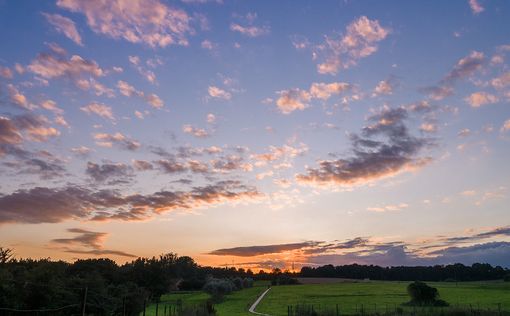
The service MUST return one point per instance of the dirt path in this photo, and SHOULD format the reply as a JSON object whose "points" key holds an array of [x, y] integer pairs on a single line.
{"points": [[254, 305]]}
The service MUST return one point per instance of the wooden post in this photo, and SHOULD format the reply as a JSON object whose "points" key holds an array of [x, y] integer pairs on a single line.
{"points": [[124, 306], [157, 307], [84, 302], [337, 311], [144, 307]]}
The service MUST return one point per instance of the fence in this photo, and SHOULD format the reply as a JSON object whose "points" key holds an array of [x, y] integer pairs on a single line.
{"points": [[394, 309]]}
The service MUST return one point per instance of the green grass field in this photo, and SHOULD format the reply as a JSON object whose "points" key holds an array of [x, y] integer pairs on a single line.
{"points": [[350, 296], [372, 295], [234, 304]]}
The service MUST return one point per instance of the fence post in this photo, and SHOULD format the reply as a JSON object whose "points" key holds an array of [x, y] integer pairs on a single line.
{"points": [[337, 311], [124, 306], [144, 306], [84, 302], [157, 308], [164, 314]]}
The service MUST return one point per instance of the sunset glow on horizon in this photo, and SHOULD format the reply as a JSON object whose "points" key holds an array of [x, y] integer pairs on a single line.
{"points": [[256, 134]]}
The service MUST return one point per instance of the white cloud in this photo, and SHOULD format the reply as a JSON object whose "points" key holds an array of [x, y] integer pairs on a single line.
{"points": [[478, 99], [138, 21], [359, 41], [476, 8], [65, 26], [98, 109], [216, 92]]}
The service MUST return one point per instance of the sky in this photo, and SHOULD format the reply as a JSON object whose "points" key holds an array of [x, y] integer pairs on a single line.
{"points": [[256, 134]]}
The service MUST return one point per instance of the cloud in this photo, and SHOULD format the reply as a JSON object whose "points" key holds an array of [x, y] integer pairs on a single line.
{"points": [[251, 251], [90, 242], [42, 164], [506, 126], [428, 127], [385, 87], [198, 166], [501, 81], [248, 28], [464, 68], [53, 205], [18, 98], [275, 153], [138, 21], [211, 118], [9, 133], [359, 41], [113, 172], [464, 132], [142, 165], [52, 65], [171, 166], [373, 158], [65, 26], [84, 238], [478, 99], [207, 44], [129, 91], [51, 105], [218, 93], [324, 91], [5, 72], [35, 128], [149, 75], [376, 251], [98, 109], [388, 208], [195, 131], [251, 31], [476, 8], [230, 163], [296, 99], [82, 151], [154, 100], [108, 140], [292, 100]]}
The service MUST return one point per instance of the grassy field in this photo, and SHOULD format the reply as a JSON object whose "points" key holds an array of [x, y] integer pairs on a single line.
{"points": [[379, 295], [350, 296], [235, 304]]}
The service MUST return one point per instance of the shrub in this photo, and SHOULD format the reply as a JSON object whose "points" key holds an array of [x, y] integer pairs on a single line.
{"points": [[506, 278], [247, 283], [284, 280], [192, 284], [218, 288], [238, 283], [421, 294]]}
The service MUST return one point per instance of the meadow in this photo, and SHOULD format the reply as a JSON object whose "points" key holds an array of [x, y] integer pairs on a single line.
{"points": [[236, 303], [351, 297]]}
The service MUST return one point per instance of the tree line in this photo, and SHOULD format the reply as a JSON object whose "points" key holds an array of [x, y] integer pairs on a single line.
{"points": [[451, 272], [105, 287]]}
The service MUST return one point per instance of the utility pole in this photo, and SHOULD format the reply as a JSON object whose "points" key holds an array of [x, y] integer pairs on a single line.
{"points": [[84, 303]]}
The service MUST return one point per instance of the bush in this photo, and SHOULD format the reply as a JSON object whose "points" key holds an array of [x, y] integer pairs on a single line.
{"points": [[247, 283], [218, 288], [423, 295], [192, 284], [238, 283], [506, 278], [284, 280]]}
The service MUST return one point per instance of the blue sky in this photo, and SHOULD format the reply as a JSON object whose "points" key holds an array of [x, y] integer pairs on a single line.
{"points": [[258, 132]]}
